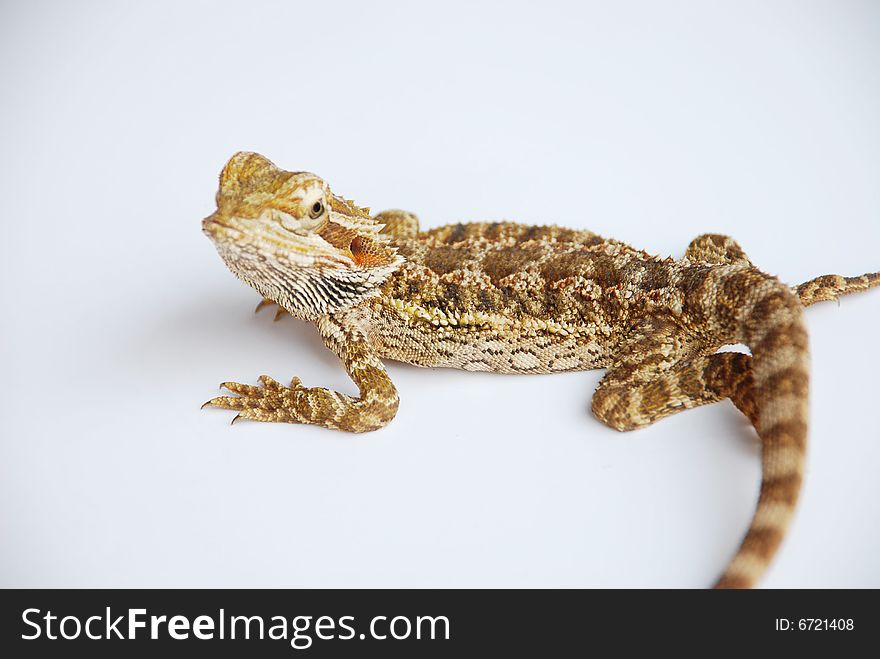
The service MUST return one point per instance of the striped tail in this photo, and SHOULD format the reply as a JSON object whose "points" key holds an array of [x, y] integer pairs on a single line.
{"points": [[768, 318], [831, 287]]}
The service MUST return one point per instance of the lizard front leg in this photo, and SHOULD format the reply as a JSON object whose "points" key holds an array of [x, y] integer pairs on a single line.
{"points": [[398, 224], [375, 406]]}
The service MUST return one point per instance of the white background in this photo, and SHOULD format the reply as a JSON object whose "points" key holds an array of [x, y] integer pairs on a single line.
{"points": [[648, 122]]}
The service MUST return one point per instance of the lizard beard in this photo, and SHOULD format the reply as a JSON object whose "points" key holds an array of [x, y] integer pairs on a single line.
{"points": [[308, 292]]}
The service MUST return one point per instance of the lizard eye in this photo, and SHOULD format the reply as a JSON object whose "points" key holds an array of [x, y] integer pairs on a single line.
{"points": [[316, 210]]}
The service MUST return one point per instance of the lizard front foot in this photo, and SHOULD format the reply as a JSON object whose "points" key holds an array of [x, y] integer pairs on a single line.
{"points": [[270, 401], [266, 302]]}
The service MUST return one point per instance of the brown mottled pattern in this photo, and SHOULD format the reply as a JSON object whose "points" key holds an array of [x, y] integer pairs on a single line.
{"points": [[831, 287], [509, 231], [512, 298]]}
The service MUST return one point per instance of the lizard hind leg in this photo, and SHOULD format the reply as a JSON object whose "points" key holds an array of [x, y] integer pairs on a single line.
{"points": [[716, 248], [643, 386], [831, 287], [724, 250], [626, 405], [663, 371]]}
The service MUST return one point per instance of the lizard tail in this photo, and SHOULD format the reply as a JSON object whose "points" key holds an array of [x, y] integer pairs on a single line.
{"points": [[767, 316], [831, 287]]}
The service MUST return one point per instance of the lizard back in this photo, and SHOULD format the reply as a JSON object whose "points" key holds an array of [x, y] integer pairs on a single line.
{"points": [[513, 298]]}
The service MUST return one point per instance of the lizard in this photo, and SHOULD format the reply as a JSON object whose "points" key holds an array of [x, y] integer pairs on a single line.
{"points": [[516, 298]]}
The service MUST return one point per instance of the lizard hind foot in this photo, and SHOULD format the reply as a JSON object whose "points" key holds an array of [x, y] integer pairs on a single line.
{"points": [[832, 287]]}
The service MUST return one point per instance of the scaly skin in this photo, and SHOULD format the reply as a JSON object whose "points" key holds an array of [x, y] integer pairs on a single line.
{"points": [[511, 298]]}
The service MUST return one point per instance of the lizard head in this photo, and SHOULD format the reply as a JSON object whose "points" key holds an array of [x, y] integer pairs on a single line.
{"points": [[289, 237]]}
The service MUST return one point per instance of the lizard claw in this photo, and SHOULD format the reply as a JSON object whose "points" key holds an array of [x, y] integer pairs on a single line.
{"points": [[265, 302], [241, 389], [268, 401]]}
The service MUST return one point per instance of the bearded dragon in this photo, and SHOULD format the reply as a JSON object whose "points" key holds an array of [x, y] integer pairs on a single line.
{"points": [[512, 298]]}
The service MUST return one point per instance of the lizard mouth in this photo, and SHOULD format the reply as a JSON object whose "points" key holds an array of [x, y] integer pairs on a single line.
{"points": [[215, 228]]}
